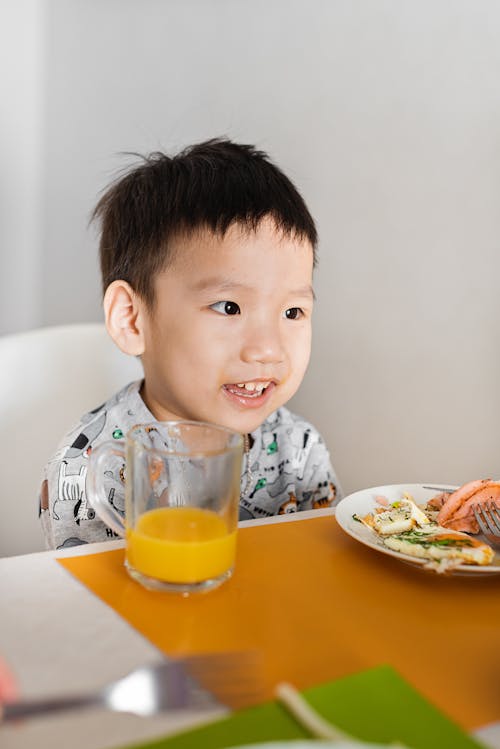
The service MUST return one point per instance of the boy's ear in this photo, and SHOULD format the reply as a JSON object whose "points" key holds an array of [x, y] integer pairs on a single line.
{"points": [[124, 314]]}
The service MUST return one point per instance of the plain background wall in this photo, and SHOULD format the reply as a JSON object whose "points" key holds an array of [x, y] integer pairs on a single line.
{"points": [[385, 113], [22, 111]]}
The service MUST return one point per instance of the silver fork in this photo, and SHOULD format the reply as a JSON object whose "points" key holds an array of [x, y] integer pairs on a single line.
{"points": [[197, 682], [488, 518]]}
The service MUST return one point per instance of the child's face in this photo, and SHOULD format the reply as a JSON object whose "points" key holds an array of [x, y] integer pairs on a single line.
{"points": [[229, 338]]}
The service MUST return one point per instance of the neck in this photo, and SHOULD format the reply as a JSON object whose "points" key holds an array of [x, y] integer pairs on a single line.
{"points": [[159, 412]]}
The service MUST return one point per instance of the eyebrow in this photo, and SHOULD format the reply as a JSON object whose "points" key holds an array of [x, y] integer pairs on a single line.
{"points": [[218, 284], [222, 285], [304, 291]]}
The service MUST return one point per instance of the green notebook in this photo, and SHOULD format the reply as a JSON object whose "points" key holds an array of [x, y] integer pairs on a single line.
{"points": [[376, 705]]}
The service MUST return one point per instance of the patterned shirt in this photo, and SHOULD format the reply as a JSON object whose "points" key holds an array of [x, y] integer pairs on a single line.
{"points": [[287, 468]]}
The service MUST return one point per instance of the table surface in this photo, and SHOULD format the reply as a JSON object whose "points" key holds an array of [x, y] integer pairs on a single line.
{"points": [[58, 636]]}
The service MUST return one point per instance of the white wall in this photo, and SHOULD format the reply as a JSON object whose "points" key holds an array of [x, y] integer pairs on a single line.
{"points": [[22, 70], [386, 113]]}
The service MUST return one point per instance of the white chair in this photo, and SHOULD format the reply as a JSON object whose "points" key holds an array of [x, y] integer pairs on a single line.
{"points": [[48, 379]]}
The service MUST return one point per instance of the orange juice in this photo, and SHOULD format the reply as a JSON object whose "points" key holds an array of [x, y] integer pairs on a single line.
{"points": [[181, 545]]}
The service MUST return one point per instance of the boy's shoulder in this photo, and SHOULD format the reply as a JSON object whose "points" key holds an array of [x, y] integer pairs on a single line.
{"points": [[110, 420], [289, 467], [67, 518]]}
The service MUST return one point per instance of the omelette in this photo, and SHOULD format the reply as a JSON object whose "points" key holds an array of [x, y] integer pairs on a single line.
{"points": [[405, 528]]}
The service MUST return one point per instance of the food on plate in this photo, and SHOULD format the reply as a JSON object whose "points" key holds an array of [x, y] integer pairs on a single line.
{"points": [[439, 543], [398, 517], [406, 528], [455, 508]]}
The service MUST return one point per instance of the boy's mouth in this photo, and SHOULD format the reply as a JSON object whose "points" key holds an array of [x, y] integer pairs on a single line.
{"points": [[251, 393], [248, 389]]}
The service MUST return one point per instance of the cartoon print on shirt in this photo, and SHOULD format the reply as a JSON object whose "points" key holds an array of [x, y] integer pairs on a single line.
{"points": [[259, 485], [82, 511], [117, 500], [327, 492], [280, 480], [289, 506], [244, 514], [88, 416], [71, 486], [272, 447], [155, 468], [158, 479], [266, 464], [73, 541], [284, 475], [115, 489], [86, 437], [299, 441]]}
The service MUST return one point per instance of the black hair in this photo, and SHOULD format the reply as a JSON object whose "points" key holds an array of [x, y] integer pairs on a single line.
{"points": [[211, 185]]}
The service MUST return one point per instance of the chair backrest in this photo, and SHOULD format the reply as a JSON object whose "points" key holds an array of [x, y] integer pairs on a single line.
{"points": [[48, 378]]}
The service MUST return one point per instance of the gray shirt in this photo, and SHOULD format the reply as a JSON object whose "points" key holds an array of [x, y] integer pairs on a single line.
{"points": [[286, 469]]}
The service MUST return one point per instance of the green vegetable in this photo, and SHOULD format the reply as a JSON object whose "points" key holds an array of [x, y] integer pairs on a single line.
{"points": [[414, 537]]}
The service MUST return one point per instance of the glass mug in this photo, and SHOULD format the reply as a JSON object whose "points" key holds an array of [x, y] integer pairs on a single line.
{"points": [[182, 490]]}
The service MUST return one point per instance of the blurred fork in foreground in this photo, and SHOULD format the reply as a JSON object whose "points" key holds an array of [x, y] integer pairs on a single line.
{"points": [[488, 518], [196, 682]]}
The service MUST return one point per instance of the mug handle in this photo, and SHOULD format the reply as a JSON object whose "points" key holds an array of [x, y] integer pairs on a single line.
{"points": [[96, 491]]}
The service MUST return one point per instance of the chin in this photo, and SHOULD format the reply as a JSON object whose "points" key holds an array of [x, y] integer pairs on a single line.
{"points": [[248, 423], [243, 421]]}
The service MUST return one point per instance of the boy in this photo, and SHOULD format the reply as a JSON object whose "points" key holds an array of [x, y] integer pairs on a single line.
{"points": [[206, 261]]}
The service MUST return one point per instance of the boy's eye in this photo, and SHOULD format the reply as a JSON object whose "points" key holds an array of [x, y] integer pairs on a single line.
{"points": [[226, 308], [293, 313]]}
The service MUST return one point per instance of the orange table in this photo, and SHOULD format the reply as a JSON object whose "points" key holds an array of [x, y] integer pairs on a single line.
{"points": [[319, 606]]}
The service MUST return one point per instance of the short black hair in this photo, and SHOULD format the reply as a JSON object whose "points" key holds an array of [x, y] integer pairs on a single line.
{"points": [[210, 185]]}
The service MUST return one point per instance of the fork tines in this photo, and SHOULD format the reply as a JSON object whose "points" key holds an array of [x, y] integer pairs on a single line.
{"points": [[488, 518], [236, 679]]}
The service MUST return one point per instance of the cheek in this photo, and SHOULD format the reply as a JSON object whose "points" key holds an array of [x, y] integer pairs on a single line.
{"points": [[201, 354], [300, 348], [176, 338]]}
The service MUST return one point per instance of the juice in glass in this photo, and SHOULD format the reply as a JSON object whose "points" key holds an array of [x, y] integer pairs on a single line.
{"points": [[181, 545], [174, 471]]}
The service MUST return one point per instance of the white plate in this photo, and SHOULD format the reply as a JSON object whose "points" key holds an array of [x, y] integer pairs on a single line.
{"points": [[363, 502]]}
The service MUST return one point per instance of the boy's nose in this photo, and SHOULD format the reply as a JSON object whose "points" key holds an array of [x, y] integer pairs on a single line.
{"points": [[263, 345]]}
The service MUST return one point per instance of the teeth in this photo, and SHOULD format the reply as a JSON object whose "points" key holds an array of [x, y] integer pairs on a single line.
{"points": [[253, 387]]}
